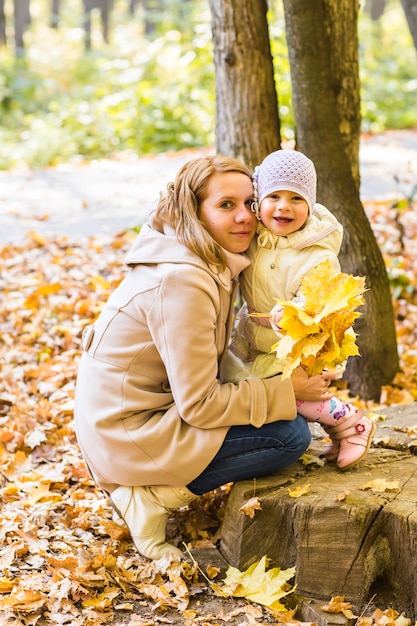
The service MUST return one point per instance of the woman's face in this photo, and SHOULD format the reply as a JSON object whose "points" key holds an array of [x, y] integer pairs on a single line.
{"points": [[225, 210]]}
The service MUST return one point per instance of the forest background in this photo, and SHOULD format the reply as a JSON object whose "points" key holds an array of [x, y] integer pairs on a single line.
{"points": [[151, 92]]}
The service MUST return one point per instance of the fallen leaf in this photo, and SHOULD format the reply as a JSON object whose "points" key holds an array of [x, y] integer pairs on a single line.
{"points": [[257, 584], [337, 604], [311, 459], [380, 485], [249, 508], [300, 490]]}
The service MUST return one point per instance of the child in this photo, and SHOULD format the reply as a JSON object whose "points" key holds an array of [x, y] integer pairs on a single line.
{"points": [[294, 235]]}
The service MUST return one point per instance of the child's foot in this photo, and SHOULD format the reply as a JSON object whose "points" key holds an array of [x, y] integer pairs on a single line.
{"points": [[355, 440]]}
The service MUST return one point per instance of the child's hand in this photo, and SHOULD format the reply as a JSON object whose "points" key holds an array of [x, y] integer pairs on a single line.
{"points": [[311, 388], [276, 315]]}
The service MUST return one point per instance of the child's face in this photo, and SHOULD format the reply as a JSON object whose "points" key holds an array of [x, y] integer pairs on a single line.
{"points": [[283, 212]]}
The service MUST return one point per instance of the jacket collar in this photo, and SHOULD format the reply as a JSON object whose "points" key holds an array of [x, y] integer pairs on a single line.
{"points": [[318, 226]]}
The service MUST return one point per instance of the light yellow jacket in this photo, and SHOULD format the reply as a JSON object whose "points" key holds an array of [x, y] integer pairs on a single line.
{"points": [[277, 269]]}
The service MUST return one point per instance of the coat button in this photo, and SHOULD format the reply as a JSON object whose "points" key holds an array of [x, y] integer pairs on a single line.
{"points": [[272, 266]]}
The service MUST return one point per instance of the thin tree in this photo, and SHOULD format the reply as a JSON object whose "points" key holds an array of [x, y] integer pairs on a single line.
{"points": [[325, 100], [22, 20], [376, 9], [55, 13], [104, 7], [2, 24], [410, 10]]}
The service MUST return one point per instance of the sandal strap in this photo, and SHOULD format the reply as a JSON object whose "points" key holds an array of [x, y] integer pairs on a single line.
{"points": [[349, 426]]}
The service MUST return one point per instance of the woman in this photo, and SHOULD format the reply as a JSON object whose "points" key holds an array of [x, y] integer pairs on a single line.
{"points": [[156, 425]]}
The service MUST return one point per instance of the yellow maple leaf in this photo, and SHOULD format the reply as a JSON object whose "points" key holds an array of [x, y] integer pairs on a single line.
{"points": [[257, 584], [318, 334], [104, 599], [299, 491], [325, 290]]}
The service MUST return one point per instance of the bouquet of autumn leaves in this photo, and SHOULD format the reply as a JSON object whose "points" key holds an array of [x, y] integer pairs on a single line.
{"points": [[318, 334]]}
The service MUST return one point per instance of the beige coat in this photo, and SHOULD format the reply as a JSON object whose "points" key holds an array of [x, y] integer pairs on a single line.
{"points": [[276, 272], [150, 408]]}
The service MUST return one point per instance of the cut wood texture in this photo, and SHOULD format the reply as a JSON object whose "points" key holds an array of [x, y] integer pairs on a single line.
{"points": [[352, 533]]}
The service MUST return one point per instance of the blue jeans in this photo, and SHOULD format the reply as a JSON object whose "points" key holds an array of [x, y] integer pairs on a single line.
{"points": [[249, 452]]}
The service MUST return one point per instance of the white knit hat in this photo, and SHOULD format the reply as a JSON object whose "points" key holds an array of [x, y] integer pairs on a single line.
{"points": [[285, 170]]}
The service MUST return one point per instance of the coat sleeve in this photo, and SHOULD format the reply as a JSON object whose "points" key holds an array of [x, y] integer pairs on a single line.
{"points": [[190, 338]]}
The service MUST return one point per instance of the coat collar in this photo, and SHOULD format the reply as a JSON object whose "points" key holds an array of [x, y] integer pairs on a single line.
{"points": [[160, 245], [319, 225]]}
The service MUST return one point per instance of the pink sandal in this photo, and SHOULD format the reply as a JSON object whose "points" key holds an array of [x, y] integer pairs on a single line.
{"points": [[354, 431]]}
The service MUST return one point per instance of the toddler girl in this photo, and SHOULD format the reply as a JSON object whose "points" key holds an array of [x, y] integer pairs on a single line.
{"points": [[294, 235]]}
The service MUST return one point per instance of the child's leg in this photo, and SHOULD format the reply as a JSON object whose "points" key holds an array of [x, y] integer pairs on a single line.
{"points": [[326, 412], [313, 411], [346, 426]]}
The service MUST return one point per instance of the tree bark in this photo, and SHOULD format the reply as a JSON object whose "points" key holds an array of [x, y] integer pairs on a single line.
{"points": [[247, 118], [152, 13], [342, 536], [104, 7], [375, 8], [326, 107], [133, 5], [410, 10], [55, 13], [2, 24], [21, 22]]}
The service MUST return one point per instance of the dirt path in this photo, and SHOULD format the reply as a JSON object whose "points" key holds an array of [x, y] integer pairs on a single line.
{"points": [[107, 196]]}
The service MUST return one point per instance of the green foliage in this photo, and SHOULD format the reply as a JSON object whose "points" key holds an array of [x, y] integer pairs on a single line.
{"points": [[156, 93], [403, 286], [137, 94], [388, 71]]}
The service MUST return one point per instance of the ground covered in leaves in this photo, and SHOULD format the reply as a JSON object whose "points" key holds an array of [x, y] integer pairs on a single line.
{"points": [[62, 559]]}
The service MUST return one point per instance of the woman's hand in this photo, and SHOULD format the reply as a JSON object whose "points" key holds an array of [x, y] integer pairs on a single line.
{"points": [[313, 388]]}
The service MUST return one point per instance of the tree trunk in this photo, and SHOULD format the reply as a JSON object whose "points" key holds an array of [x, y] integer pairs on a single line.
{"points": [[133, 5], [55, 13], [375, 8], [104, 7], [152, 12], [2, 24], [87, 25], [410, 10], [21, 22], [325, 105], [247, 119], [105, 11]]}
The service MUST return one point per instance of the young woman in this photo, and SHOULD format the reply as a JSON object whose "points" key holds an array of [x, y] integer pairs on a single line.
{"points": [[155, 424]]}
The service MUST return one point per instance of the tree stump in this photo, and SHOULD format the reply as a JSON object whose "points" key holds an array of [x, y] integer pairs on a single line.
{"points": [[353, 533]]}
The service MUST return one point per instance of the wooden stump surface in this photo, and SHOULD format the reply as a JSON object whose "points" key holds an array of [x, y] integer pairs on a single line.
{"points": [[353, 533]]}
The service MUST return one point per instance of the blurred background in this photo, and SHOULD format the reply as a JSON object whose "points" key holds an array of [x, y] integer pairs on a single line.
{"points": [[88, 79]]}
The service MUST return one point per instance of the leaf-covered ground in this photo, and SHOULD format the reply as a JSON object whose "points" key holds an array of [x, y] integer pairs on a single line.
{"points": [[62, 559]]}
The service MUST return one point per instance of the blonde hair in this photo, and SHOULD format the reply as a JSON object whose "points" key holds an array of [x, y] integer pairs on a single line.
{"points": [[179, 205]]}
